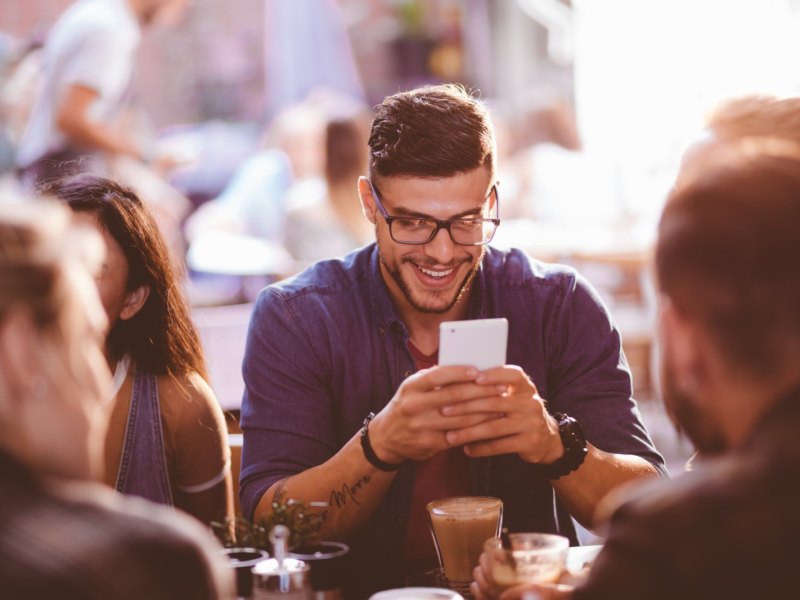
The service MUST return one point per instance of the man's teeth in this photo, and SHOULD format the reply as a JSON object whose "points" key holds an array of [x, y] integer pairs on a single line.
{"points": [[438, 274]]}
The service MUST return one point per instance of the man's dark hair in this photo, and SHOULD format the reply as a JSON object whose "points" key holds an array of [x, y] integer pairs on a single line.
{"points": [[161, 337], [431, 132], [728, 256]]}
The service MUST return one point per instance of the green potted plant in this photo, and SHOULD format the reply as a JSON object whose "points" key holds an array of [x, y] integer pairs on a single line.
{"points": [[324, 557], [303, 524]]}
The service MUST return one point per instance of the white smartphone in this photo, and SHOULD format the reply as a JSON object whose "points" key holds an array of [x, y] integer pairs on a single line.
{"points": [[479, 343]]}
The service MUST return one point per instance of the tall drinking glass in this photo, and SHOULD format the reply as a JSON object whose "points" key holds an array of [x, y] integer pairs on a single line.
{"points": [[460, 526]]}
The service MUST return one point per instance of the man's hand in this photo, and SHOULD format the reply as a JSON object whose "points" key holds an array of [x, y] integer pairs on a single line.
{"points": [[523, 425], [413, 426], [484, 587], [73, 119]]}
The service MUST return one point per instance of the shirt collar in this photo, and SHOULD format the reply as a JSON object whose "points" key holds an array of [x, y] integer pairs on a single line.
{"points": [[379, 298]]}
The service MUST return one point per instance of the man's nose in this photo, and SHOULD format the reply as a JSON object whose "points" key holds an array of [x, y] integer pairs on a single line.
{"points": [[441, 248]]}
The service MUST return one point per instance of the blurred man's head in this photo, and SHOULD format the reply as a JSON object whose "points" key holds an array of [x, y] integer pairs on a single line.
{"points": [[53, 379], [739, 118], [728, 267]]}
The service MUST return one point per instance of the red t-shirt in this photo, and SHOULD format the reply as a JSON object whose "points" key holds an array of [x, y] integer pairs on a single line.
{"points": [[444, 474]]}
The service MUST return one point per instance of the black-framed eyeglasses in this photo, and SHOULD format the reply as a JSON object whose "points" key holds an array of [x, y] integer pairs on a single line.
{"points": [[421, 230]]}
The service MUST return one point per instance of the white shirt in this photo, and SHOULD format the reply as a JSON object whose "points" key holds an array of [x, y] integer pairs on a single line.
{"points": [[94, 45]]}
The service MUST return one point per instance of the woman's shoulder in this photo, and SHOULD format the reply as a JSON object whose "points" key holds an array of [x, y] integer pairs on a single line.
{"points": [[187, 396]]}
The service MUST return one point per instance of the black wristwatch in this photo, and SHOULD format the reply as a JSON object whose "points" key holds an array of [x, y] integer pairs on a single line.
{"points": [[369, 453], [575, 448]]}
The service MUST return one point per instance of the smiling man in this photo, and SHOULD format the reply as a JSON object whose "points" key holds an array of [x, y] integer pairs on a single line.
{"points": [[345, 404]]}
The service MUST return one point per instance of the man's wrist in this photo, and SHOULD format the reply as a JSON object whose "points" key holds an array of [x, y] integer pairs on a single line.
{"points": [[375, 459], [574, 444]]}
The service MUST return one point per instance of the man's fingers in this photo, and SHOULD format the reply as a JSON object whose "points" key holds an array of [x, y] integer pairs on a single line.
{"points": [[496, 403], [546, 591], [506, 375], [487, 430], [462, 421], [419, 400], [507, 445], [483, 582], [441, 376]]}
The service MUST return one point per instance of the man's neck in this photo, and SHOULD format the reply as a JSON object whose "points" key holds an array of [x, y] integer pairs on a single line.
{"points": [[423, 328]]}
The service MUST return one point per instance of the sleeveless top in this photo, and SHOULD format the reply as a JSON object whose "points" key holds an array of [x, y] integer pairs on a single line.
{"points": [[143, 467]]}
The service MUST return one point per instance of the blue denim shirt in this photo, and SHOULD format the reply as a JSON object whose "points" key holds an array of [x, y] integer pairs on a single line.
{"points": [[326, 347]]}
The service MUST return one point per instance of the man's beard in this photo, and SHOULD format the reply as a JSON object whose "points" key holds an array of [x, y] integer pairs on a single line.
{"points": [[685, 413], [397, 276]]}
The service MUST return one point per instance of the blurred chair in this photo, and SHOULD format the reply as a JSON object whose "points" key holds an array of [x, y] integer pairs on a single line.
{"points": [[223, 330]]}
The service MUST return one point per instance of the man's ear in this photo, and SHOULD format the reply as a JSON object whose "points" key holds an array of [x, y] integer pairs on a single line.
{"points": [[134, 302], [681, 341], [367, 201]]}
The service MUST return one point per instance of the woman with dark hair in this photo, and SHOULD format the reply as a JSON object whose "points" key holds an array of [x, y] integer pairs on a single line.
{"points": [[167, 439], [62, 536]]}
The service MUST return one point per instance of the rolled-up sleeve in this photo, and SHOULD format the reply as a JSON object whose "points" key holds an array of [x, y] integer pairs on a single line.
{"points": [[589, 377], [286, 409]]}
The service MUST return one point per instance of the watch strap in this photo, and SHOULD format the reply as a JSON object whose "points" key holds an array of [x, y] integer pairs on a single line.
{"points": [[575, 447], [369, 453]]}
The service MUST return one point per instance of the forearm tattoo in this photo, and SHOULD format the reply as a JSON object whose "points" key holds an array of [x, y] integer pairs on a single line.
{"points": [[277, 497]]}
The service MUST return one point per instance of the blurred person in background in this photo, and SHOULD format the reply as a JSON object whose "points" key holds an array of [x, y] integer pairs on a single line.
{"points": [[20, 62], [551, 177], [77, 123], [87, 62], [325, 219], [728, 269], [241, 236], [254, 201], [60, 535], [167, 440]]}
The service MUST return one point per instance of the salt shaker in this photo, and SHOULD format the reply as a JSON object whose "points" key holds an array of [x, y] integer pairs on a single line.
{"points": [[281, 577]]}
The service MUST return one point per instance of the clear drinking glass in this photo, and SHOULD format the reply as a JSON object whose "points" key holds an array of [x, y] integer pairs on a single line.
{"points": [[535, 558], [460, 527]]}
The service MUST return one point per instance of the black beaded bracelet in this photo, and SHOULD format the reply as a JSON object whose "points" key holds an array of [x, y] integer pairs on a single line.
{"points": [[369, 453]]}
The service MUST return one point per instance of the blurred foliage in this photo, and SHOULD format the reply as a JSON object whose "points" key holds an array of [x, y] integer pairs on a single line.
{"points": [[303, 522], [412, 16]]}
